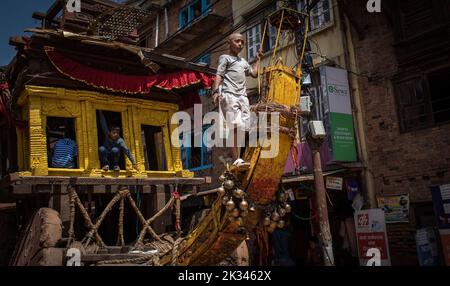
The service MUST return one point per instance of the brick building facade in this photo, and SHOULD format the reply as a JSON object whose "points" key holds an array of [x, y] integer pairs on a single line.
{"points": [[402, 59]]}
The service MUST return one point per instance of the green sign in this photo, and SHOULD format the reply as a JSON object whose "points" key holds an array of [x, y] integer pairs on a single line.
{"points": [[342, 137]]}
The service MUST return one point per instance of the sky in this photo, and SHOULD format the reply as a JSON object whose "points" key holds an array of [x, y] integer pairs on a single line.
{"points": [[15, 17]]}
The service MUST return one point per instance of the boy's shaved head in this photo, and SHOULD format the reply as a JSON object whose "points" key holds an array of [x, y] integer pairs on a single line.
{"points": [[236, 42], [234, 36]]}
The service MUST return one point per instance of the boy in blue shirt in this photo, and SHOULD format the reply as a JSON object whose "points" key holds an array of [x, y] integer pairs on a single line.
{"points": [[110, 151], [64, 155]]}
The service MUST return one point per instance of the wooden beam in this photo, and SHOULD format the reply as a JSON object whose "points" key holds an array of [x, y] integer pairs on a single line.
{"points": [[56, 180], [16, 41], [39, 15], [176, 62], [54, 10]]}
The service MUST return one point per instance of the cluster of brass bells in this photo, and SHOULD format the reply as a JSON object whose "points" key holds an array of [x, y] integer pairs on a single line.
{"points": [[234, 199], [275, 217]]}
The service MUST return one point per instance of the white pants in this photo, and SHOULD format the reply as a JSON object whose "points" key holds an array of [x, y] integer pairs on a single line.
{"points": [[235, 112]]}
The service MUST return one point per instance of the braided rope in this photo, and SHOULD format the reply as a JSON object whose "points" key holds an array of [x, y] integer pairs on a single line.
{"points": [[175, 252], [87, 219], [108, 208], [120, 238], [72, 215], [137, 260]]}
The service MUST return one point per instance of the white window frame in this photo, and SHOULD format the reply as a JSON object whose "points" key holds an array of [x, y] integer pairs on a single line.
{"points": [[256, 32], [253, 41], [318, 13]]}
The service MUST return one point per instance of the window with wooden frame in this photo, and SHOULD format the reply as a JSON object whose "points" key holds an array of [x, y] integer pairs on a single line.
{"points": [[153, 144], [193, 11], [196, 158], [422, 101]]}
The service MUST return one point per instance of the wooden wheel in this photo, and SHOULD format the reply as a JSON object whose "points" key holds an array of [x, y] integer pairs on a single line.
{"points": [[36, 246]]}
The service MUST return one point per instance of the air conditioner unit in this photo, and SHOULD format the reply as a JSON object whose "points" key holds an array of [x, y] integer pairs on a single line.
{"points": [[305, 104], [317, 129]]}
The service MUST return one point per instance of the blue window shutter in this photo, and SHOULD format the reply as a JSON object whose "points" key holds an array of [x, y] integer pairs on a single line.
{"points": [[206, 5]]}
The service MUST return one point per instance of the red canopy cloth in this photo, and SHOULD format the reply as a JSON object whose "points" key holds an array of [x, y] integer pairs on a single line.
{"points": [[126, 83]]}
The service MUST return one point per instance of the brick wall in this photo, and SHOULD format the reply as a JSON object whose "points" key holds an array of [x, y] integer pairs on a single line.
{"points": [[400, 162]]}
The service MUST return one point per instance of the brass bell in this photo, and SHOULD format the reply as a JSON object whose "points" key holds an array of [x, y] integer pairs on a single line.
{"points": [[266, 221], [275, 216], [225, 200], [230, 205], [288, 208], [273, 224], [252, 208], [282, 212], [222, 178], [235, 213], [239, 221], [221, 191], [228, 184], [243, 205], [238, 193], [281, 224], [244, 213]]}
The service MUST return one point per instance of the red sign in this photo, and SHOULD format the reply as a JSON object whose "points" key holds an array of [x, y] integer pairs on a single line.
{"points": [[445, 241], [368, 240], [363, 220]]}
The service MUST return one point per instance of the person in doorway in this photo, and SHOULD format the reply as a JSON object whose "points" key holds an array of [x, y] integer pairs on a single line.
{"points": [[110, 151], [64, 153], [232, 100]]}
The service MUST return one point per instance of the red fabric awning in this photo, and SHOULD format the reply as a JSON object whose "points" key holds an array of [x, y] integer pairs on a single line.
{"points": [[126, 83]]}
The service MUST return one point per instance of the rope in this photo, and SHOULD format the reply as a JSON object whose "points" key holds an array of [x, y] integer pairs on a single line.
{"points": [[87, 219], [145, 225], [137, 260], [108, 208], [120, 239], [177, 214], [278, 38], [72, 214], [259, 59], [175, 252], [291, 112], [305, 37]]}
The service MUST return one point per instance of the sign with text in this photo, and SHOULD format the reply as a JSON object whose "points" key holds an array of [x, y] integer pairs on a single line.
{"points": [[426, 247], [338, 113], [395, 207], [445, 243], [371, 234], [441, 202], [334, 183]]}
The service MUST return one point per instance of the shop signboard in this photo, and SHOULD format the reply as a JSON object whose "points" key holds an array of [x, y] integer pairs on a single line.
{"points": [[395, 207], [338, 113], [372, 238], [427, 253], [441, 202], [334, 183]]}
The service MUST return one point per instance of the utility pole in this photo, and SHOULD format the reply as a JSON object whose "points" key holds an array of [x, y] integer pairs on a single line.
{"points": [[321, 201]]}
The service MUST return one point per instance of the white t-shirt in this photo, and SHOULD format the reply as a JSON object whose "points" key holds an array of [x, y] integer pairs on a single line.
{"points": [[234, 71]]}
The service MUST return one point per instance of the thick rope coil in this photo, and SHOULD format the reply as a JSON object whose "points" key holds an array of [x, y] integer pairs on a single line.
{"points": [[175, 252]]}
